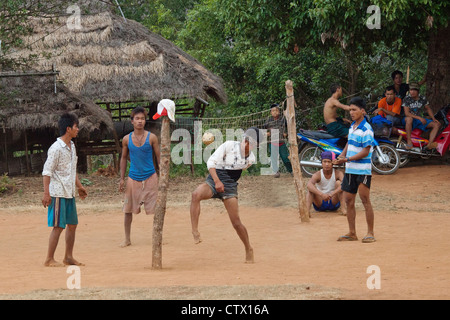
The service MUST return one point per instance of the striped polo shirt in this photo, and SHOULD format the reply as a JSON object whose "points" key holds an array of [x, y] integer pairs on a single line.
{"points": [[358, 139]]}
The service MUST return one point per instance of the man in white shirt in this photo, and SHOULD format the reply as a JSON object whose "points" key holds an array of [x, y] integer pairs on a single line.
{"points": [[225, 167], [60, 182], [324, 187]]}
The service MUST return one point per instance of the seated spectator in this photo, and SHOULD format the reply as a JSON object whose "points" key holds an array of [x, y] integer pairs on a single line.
{"points": [[415, 106], [336, 126], [400, 88], [324, 187], [390, 107]]}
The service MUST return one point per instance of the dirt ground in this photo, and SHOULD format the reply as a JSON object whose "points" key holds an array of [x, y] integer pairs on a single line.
{"points": [[294, 260]]}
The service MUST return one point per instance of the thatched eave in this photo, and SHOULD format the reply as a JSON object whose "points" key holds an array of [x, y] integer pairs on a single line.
{"points": [[114, 59]]}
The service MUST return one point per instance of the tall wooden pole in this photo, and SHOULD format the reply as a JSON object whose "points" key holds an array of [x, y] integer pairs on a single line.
{"points": [[160, 210], [293, 152]]}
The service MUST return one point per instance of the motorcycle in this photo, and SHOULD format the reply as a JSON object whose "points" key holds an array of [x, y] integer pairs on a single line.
{"points": [[418, 150], [385, 157]]}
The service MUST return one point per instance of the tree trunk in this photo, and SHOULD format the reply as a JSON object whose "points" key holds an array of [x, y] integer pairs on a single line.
{"points": [[293, 153], [438, 72], [160, 210]]}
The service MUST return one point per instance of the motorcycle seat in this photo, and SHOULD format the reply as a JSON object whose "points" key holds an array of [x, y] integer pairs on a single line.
{"points": [[316, 134]]}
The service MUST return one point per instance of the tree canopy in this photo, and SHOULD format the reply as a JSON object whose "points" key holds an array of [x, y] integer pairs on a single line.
{"points": [[256, 45]]}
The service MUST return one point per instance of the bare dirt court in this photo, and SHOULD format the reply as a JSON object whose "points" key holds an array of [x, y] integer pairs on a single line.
{"points": [[293, 260]]}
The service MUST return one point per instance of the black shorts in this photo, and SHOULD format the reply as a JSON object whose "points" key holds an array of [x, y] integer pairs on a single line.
{"points": [[230, 185], [351, 182]]}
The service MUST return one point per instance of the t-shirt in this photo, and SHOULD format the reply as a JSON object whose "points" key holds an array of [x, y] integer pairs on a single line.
{"points": [[416, 107], [403, 90], [229, 157], [61, 167], [396, 107], [279, 124], [358, 139]]}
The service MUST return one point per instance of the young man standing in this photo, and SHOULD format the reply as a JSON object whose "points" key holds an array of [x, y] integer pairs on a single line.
{"points": [[357, 156], [324, 187], [225, 167], [142, 183], [278, 143], [60, 181], [336, 126]]}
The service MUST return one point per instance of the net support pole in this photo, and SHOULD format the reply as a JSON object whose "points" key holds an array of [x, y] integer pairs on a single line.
{"points": [[163, 184], [293, 152]]}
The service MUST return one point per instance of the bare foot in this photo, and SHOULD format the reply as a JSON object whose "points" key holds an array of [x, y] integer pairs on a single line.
{"points": [[125, 243], [72, 262], [53, 263], [197, 238], [249, 258]]}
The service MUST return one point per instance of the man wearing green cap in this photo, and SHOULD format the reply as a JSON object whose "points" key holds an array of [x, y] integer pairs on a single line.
{"points": [[415, 106]]}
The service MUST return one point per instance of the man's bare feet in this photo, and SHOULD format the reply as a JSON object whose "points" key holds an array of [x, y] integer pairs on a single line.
{"points": [[53, 263], [125, 243], [72, 262], [197, 238], [249, 258]]}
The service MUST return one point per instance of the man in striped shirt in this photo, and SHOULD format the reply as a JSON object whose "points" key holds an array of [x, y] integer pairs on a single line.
{"points": [[357, 156]]}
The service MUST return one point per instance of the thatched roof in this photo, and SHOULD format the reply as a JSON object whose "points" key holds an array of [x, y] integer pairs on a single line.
{"points": [[116, 59], [30, 103]]}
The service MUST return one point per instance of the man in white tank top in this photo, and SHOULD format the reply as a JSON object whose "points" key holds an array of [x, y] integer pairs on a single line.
{"points": [[324, 187]]}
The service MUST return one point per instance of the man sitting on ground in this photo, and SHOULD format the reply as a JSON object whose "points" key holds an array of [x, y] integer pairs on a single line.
{"points": [[336, 126], [324, 187]]}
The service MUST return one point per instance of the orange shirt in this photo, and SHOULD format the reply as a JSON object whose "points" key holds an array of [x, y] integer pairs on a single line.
{"points": [[396, 107]]}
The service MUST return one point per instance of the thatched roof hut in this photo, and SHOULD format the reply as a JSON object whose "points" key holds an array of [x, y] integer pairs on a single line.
{"points": [[31, 103], [30, 109], [115, 59]]}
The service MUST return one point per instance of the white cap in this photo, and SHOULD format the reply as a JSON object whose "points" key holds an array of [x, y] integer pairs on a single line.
{"points": [[166, 107]]}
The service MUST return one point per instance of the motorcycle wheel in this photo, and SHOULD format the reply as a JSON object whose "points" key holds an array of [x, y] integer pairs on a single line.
{"points": [[394, 159], [310, 153], [404, 158]]}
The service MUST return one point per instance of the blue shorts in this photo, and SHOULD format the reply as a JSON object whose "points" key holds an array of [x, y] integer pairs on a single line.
{"points": [[417, 124], [61, 212], [327, 206]]}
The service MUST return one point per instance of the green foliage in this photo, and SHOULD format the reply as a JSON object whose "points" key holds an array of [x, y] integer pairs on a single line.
{"points": [[14, 15], [6, 184], [86, 182]]}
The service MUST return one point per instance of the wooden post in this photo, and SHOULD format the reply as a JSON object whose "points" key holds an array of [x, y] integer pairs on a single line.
{"points": [[160, 210], [293, 152], [407, 75], [27, 162]]}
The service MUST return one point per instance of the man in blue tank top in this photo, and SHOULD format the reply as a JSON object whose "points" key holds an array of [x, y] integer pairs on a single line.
{"points": [[142, 183]]}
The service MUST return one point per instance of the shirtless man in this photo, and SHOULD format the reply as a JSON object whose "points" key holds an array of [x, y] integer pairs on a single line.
{"points": [[336, 126]]}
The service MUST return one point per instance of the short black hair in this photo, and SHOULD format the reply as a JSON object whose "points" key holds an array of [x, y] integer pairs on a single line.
{"points": [[396, 72], [275, 105], [65, 121], [359, 102], [334, 87], [389, 88], [137, 110]]}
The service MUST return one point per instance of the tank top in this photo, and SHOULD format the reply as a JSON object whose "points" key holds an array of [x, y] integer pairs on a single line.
{"points": [[326, 185], [141, 159]]}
